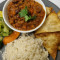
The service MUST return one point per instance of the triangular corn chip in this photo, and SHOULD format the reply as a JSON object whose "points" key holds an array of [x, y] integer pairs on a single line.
{"points": [[52, 24], [51, 41]]}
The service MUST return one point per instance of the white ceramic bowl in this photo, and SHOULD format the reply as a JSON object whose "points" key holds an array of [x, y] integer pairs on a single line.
{"points": [[5, 16]]}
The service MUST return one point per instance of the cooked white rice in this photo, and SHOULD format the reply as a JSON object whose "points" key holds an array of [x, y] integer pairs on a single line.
{"points": [[25, 48]]}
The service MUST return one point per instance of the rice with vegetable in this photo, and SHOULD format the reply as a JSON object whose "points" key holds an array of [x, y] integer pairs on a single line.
{"points": [[25, 48]]}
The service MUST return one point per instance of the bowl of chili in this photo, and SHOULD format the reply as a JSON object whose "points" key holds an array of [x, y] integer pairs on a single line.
{"points": [[25, 15]]}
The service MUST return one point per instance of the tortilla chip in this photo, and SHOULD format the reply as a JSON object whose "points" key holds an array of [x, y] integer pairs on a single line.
{"points": [[58, 14], [58, 47], [48, 10], [52, 24], [51, 41]]}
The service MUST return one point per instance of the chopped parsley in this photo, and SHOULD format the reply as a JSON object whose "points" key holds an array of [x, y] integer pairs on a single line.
{"points": [[24, 13]]}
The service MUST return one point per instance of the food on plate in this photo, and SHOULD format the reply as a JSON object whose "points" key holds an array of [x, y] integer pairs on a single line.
{"points": [[52, 24], [58, 14], [1, 15], [1, 39], [50, 32], [51, 41], [25, 48], [58, 47], [4, 30], [11, 37], [25, 14], [48, 10]]}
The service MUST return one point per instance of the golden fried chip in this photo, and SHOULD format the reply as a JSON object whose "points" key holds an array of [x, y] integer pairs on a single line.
{"points": [[51, 41], [48, 10], [58, 14], [58, 47], [52, 24]]}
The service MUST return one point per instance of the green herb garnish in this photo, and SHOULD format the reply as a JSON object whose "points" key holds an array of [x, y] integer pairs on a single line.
{"points": [[33, 17], [24, 13], [27, 18]]}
